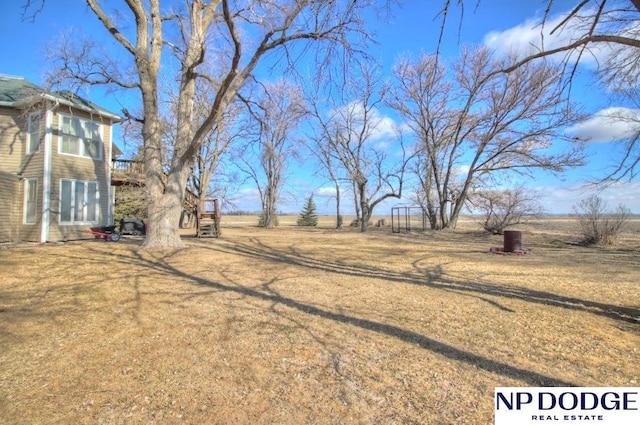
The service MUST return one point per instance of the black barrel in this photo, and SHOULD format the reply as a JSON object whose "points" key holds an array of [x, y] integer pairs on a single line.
{"points": [[512, 240]]}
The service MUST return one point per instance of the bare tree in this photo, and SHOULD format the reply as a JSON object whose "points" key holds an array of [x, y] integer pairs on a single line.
{"points": [[319, 144], [596, 224], [475, 122], [588, 23], [425, 194], [627, 165], [328, 163], [422, 95], [592, 22], [351, 134], [275, 116], [216, 145], [504, 208], [606, 29], [180, 38]]}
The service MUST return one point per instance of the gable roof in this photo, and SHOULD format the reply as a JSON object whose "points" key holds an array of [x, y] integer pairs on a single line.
{"points": [[13, 89], [18, 92], [81, 103]]}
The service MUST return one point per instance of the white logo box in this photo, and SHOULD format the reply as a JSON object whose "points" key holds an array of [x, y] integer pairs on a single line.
{"points": [[567, 405]]}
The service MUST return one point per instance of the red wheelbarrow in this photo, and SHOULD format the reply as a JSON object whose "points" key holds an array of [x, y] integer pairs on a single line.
{"points": [[108, 233]]}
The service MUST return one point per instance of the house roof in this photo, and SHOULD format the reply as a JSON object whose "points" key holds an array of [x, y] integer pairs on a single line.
{"points": [[18, 92], [13, 89], [82, 103]]}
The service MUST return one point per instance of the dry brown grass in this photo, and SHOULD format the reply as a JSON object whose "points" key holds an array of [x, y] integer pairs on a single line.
{"points": [[295, 326]]}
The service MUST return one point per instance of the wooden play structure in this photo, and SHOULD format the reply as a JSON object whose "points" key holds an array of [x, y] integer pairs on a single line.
{"points": [[208, 218], [203, 214]]}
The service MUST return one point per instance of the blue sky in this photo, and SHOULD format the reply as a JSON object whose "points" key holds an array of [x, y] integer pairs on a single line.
{"points": [[412, 28]]}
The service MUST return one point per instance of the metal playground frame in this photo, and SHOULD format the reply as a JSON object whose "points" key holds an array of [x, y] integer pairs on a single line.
{"points": [[408, 218]]}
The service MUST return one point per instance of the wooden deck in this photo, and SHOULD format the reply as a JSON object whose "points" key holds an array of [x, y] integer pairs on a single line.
{"points": [[127, 172], [206, 213]]}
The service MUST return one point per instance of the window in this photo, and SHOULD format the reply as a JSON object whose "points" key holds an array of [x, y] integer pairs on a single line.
{"points": [[33, 132], [30, 201], [80, 137], [79, 202]]}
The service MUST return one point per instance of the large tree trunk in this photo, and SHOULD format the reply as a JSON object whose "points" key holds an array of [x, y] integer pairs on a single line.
{"points": [[431, 209], [458, 202], [162, 226], [164, 195], [271, 198], [366, 217], [364, 206], [165, 209], [356, 202], [338, 216], [444, 213], [167, 192], [432, 214], [269, 221]]}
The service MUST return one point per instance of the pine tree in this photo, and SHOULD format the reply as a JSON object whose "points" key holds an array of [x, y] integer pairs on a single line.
{"points": [[130, 202], [308, 215]]}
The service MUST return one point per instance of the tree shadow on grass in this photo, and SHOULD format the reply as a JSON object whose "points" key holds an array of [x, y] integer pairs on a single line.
{"points": [[434, 277], [138, 263], [411, 337]]}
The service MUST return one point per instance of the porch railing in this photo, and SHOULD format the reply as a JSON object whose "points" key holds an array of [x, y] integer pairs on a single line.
{"points": [[132, 171], [127, 166]]}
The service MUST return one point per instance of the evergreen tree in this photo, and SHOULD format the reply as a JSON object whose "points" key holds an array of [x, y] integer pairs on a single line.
{"points": [[308, 215], [130, 202]]}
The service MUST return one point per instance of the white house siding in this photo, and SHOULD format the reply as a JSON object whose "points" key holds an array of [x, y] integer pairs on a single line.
{"points": [[14, 161], [16, 166], [12, 142], [78, 168], [9, 185]]}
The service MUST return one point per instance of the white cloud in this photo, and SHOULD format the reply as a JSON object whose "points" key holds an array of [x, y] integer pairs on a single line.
{"points": [[610, 124], [385, 128], [527, 38], [382, 128], [532, 36], [326, 192], [562, 200], [247, 199], [463, 169], [249, 192]]}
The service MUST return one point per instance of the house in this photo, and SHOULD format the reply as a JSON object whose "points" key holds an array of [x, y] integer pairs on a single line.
{"points": [[55, 163]]}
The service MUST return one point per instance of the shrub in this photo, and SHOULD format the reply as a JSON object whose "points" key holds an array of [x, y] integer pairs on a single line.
{"points": [[504, 208], [596, 225], [262, 220]]}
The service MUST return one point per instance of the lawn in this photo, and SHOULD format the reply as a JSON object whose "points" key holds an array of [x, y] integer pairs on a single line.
{"points": [[311, 326]]}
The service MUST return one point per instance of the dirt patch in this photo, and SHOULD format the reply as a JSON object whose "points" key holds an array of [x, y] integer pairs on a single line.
{"points": [[319, 326]]}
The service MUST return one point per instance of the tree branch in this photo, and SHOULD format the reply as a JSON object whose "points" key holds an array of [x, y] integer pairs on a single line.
{"points": [[626, 41], [110, 26], [570, 15]]}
